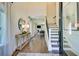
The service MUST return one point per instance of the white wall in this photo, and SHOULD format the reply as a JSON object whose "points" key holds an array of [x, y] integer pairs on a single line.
{"points": [[51, 12]]}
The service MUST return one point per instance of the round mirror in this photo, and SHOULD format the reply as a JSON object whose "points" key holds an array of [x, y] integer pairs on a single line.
{"points": [[21, 24]]}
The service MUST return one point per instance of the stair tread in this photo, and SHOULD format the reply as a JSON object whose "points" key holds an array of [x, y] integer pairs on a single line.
{"points": [[70, 53], [53, 34], [53, 31], [54, 41], [55, 51], [55, 45], [66, 49], [55, 37], [65, 42], [55, 48], [66, 46]]}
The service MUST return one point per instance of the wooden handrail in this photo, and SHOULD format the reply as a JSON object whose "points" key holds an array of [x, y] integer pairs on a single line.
{"points": [[21, 36]]}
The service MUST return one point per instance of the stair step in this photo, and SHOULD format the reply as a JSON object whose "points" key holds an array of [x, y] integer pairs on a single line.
{"points": [[55, 54], [49, 48], [55, 43], [66, 46], [55, 51], [53, 34], [66, 49], [54, 37], [53, 31], [55, 46], [53, 28], [55, 40], [70, 53], [65, 41]]}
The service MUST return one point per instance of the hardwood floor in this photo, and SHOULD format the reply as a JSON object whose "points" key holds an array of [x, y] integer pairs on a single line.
{"points": [[36, 45]]}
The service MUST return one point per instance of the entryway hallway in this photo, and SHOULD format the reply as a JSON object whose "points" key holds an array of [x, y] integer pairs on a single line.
{"points": [[39, 28]]}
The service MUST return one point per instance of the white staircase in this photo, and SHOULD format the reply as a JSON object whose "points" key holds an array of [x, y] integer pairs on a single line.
{"points": [[53, 40], [67, 49], [53, 46]]}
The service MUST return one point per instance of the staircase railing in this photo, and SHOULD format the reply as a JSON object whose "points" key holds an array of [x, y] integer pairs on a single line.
{"points": [[32, 37], [28, 40], [24, 39], [47, 26]]}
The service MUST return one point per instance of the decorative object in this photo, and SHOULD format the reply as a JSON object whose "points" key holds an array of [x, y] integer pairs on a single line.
{"points": [[21, 24]]}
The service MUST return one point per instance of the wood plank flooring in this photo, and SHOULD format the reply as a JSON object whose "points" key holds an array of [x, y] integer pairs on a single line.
{"points": [[36, 45]]}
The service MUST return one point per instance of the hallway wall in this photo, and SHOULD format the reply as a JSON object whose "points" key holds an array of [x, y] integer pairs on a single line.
{"points": [[51, 12]]}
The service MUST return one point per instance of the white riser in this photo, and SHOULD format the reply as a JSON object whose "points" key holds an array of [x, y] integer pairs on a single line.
{"points": [[67, 49], [53, 36], [54, 43], [53, 28], [65, 43], [54, 39], [56, 55], [55, 48], [53, 33]]}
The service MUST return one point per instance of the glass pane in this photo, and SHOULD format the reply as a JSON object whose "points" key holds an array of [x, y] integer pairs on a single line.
{"points": [[70, 29]]}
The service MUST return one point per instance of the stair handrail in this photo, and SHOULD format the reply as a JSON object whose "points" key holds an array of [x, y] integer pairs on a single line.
{"points": [[47, 27], [32, 37]]}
